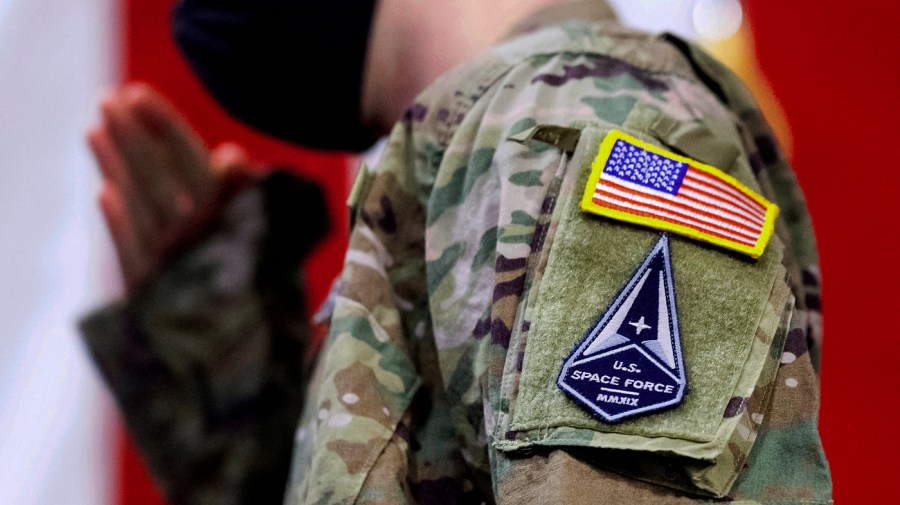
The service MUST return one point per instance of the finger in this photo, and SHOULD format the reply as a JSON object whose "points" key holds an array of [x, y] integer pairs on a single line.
{"points": [[108, 159], [146, 160], [113, 166], [189, 152], [115, 175], [161, 115], [141, 224], [228, 157], [230, 165], [132, 256]]}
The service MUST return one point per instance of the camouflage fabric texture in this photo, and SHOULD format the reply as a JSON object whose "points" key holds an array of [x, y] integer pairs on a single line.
{"points": [[419, 388], [209, 362]]}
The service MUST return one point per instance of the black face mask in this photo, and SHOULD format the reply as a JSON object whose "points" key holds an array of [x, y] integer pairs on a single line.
{"points": [[291, 68]]}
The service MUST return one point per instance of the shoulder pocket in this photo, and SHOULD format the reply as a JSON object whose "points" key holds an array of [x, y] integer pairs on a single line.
{"points": [[733, 315]]}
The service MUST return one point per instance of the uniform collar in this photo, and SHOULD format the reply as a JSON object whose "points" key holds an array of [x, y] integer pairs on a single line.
{"points": [[590, 10]]}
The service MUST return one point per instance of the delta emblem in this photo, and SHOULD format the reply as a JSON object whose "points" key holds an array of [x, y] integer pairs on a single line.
{"points": [[630, 362]]}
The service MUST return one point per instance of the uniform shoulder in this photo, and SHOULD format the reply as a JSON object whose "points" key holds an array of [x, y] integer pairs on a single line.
{"points": [[559, 56]]}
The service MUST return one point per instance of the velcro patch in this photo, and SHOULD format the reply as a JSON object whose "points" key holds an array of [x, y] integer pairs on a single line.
{"points": [[640, 183], [630, 362]]}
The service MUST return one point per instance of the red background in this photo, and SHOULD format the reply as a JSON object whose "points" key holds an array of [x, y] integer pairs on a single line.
{"points": [[835, 67]]}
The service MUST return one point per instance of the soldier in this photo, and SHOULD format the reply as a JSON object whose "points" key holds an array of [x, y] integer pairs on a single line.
{"points": [[566, 283]]}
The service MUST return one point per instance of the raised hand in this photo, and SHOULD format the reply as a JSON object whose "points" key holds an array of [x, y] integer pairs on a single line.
{"points": [[161, 185]]}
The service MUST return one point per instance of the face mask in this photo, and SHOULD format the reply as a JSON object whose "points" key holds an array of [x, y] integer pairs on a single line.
{"points": [[291, 68]]}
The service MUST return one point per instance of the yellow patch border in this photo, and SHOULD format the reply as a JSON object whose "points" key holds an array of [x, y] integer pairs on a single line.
{"points": [[599, 163]]}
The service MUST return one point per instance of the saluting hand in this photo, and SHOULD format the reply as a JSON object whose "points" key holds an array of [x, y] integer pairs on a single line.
{"points": [[161, 185]]}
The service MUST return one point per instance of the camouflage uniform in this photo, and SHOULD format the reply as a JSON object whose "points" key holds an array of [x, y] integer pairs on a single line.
{"points": [[466, 270]]}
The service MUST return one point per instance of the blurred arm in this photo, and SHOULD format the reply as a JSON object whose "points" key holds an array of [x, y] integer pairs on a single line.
{"points": [[207, 357]]}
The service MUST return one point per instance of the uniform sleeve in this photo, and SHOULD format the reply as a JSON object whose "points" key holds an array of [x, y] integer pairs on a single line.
{"points": [[780, 184], [353, 442], [207, 363], [788, 459], [776, 416]]}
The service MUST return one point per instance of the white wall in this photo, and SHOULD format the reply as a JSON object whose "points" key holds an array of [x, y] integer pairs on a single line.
{"points": [[55, 58], [705, 21]]}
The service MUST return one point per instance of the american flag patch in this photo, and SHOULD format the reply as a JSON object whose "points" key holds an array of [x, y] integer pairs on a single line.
{"points": [[640, 183]]}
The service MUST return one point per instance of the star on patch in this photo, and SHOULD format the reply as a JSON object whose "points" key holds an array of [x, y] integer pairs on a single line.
{"points": [[630, 362]]}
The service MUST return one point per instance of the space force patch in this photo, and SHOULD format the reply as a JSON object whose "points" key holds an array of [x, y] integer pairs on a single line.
{"points": [[630, 362], [639, 183]]}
